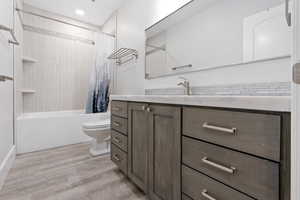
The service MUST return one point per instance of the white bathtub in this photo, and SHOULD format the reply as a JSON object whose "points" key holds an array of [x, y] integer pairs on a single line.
{"points": [[40, 131]]}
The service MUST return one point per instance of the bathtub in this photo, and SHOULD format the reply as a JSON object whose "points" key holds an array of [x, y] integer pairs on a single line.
{"points": [[41, 131]]}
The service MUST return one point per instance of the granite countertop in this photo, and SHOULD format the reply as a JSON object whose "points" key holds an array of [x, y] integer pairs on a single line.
{"points": [[263, 103]]}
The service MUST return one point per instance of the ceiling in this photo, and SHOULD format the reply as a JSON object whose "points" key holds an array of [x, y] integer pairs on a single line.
{"points": [[96, 12]]}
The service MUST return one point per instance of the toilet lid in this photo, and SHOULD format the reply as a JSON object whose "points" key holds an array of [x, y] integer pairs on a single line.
{"points": [[97, 125]]}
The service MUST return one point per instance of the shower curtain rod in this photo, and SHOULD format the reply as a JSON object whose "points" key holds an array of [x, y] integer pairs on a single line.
{"points": [[63, 22], [57, 34]]}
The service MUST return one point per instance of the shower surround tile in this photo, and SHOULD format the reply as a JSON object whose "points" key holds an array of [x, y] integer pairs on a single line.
{"points": [[255, 89]]}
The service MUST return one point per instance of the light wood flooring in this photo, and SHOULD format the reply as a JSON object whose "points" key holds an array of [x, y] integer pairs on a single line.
{"points": [[67, 173]]}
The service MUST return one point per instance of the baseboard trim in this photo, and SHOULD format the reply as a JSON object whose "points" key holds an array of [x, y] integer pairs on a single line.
{"points": [[6, 165]]}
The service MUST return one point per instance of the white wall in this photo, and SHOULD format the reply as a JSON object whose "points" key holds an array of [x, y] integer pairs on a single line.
{"points": [[110, 27], [6, 90], [18, 64], [136, 15]]}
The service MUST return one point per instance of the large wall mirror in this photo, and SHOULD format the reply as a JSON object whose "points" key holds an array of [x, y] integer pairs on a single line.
{"points": [[207, 34]]}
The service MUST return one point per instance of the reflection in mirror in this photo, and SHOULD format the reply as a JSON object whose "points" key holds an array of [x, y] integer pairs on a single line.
{"points": [[210, 33]]}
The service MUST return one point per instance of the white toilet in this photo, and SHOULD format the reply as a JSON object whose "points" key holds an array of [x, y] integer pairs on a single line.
{"points": [[100, 132]]}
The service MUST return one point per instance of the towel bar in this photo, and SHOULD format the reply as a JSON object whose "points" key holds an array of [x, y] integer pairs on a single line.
{"points": [[122, 53], [5, 78]]}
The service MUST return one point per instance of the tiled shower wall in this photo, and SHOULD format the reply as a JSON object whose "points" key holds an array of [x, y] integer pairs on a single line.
{"points": [[61, 75], [18, 65]]}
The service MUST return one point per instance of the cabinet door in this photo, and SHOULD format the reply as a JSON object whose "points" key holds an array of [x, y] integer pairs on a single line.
{"points": [[138, 138], [165, 153]]}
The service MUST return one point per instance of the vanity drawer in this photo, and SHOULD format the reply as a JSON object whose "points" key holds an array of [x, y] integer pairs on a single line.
{"points": [[119, 108], [201, 187], [119, 124], [119, 158], [257, 134], [256, 177], [119, 140]]}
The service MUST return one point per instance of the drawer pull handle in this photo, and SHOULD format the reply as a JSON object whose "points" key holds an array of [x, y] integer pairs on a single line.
{"points": [[229, 170], [116, 108], [206, 195], [149, 109], [116, 157], [217, 128], [117, 140], [117, 124]]}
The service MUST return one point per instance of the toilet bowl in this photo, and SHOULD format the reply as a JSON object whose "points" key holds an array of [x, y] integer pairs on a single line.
{"points": [[100, 133]]}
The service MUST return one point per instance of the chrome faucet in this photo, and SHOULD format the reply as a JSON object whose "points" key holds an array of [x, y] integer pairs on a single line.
{"points": [[186, 84]]}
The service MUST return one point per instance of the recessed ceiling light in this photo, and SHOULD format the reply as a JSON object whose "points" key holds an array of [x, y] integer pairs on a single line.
{"points": [[80, 12]]}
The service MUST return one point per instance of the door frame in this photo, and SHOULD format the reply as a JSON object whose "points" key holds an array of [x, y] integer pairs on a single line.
{"points": [[295, 135]]}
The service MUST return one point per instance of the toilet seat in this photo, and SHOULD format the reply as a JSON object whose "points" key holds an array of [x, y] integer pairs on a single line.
{"points": [[99, 125]]}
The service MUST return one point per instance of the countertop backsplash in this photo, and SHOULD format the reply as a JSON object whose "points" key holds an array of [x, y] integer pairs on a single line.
{"points": [[253, 89]]}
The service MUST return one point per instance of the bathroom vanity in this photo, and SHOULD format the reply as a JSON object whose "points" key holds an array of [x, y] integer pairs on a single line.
{"points": [[208, 148]]}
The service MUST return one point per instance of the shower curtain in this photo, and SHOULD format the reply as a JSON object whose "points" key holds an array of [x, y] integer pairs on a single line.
{"points": [[99, 90]]}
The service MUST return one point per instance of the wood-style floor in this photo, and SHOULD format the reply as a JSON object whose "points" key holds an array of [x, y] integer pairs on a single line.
{"points": [[67, 173]]}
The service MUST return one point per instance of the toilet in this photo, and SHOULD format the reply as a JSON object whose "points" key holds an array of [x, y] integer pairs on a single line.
{"points": [[99, 131]]}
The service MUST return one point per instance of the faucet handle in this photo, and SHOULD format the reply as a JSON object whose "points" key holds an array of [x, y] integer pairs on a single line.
{"points": [[185, 84]]}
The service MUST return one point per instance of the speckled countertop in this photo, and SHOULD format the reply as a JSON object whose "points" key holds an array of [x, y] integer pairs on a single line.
{"points": [[264, 103]]}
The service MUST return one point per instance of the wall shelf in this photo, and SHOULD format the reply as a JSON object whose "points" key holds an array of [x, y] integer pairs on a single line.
{"points": [[118, 55], [27, 91], [28, 60]]}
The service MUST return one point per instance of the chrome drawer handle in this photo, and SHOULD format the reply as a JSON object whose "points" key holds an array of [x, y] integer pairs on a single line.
{"points": [[149, 109], [117, 124], [206, 195], [116, 108], [217, 128], [116, 157], [117, 140], [229, 170]]}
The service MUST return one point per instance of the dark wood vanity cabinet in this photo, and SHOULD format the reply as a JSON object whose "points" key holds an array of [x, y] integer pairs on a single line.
{"points": [[154, 149], [138, 145], [164, 152], [235, 154], [199, 153], [119, 143]]}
